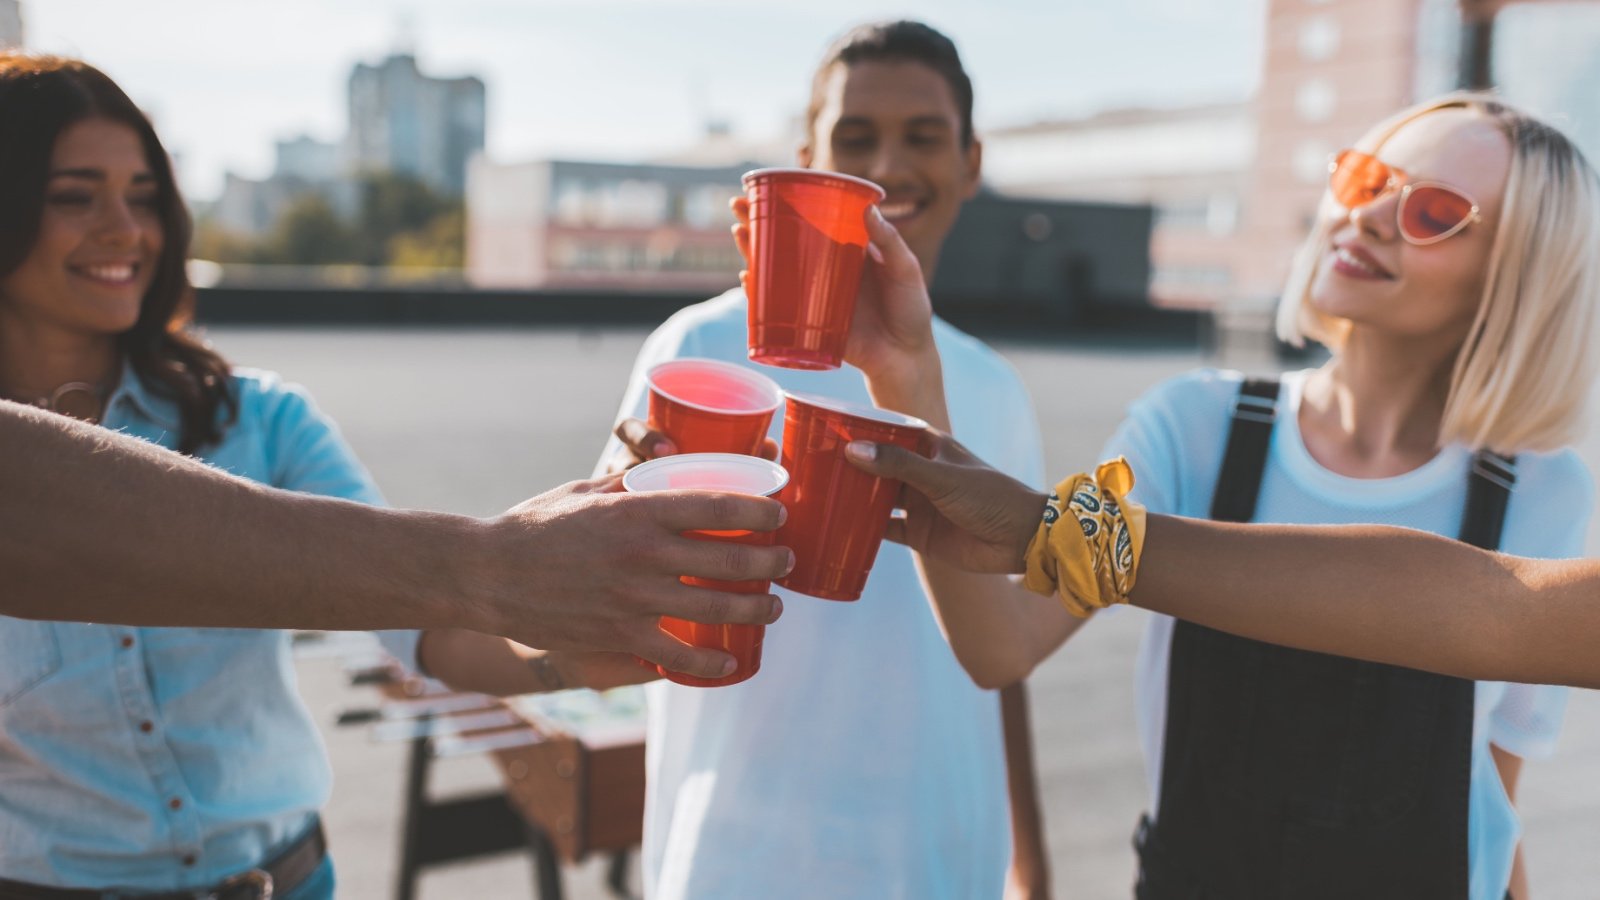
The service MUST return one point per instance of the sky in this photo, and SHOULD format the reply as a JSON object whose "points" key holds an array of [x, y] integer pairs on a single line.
{"points": [[618, 79]]}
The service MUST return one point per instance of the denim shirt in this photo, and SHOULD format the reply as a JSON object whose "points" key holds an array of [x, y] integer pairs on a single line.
{"points": [[170, 758]]}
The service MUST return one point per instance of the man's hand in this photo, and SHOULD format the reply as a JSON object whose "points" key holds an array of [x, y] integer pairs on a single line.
{"points": [[891, 331], [589, 567], [641, 443], [959, 511]]}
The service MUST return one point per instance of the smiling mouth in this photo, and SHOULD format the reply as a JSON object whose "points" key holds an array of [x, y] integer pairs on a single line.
{"points": [[895, 210], [114, 273], [1353, 261]]}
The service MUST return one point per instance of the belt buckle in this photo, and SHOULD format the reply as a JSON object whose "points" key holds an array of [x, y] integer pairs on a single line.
{"points": [[258, 883]]}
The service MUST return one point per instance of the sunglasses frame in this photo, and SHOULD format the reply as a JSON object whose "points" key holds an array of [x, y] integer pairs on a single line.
{"points": [[1397, 179]]}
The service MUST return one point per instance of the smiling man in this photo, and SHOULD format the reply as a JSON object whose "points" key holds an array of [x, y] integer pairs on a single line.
{"points": [[862, 762]]}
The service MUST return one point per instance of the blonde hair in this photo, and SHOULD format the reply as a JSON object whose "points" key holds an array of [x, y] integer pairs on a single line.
{"points": [[1522, 378]]}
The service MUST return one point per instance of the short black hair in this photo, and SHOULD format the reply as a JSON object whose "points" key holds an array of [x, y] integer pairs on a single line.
{"points": [[897, 41]]}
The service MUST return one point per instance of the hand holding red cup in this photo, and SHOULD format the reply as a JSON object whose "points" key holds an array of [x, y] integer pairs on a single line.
{"points": [[807, 244], [730, 473], [837, 512]]}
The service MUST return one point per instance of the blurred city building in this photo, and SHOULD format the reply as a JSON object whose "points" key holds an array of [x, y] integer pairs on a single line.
{"points": [[404, 121], [11, 34], [1235, 186], [1191, 164], [558, 224], [309, 159], [1334, 68], [304, 166], [400, 121]]}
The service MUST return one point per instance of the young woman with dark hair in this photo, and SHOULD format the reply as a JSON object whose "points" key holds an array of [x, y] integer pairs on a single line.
{"points": [[162, 761]]}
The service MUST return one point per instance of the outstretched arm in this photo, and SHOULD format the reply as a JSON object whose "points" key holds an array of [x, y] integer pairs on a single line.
{"points": [[1391, 595], [97, 526]]}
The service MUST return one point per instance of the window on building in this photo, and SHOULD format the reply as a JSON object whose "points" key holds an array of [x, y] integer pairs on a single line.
{"points": [[1216, 214], [1319, 38], [705, 206], [1315, 100]]}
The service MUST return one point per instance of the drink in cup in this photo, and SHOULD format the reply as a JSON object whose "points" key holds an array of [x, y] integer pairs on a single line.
{"points": [[808, 240], [837, 513], [732, 473], [708, 406]]}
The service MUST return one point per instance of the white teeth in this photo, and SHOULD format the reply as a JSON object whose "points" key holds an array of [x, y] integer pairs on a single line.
{"points": [[109, 273], [896, 210], [1350, 259]]}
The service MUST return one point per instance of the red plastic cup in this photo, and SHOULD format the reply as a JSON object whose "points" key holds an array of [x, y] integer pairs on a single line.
{"points": [[837, 513], [808, 240], [707, 406], [732, 473]]}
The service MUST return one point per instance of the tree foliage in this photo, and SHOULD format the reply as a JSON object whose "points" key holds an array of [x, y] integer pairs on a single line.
{"points": [[400, 221]]}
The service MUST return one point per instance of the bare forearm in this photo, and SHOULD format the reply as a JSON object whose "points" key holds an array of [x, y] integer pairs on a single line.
{"points": [[101, 527], [1384, 594], [469, 661], [915, 387], [998, 629]]}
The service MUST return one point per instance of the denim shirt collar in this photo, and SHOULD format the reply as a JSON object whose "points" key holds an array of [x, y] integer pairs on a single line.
{"points": [[146, 403]]}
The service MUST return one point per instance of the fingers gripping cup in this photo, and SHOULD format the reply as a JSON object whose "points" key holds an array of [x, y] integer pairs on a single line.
{"points": [[808, 240], [731, 473], [707, 406], [837, 513]]}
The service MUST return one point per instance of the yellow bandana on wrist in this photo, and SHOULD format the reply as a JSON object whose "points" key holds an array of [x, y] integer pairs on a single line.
{"points": [[1092, 565]]}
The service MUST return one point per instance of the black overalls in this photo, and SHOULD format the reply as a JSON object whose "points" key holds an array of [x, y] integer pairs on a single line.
{"points": [[1290, 775]]}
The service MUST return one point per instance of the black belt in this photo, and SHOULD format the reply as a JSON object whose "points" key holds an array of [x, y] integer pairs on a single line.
{"points": [[279, 875]]}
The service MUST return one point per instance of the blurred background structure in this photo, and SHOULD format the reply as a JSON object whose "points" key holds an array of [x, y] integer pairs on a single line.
{"points": [[374, 207], [1222, 133]]}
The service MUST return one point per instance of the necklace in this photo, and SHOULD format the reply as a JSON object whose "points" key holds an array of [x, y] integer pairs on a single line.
{"points": [[52, 401]]}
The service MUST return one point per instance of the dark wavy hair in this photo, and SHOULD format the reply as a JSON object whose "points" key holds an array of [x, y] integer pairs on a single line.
{"points": [[898, 41], [43, 96]]}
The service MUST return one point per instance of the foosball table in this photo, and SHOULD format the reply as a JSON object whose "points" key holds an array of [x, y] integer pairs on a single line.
{"points": [[571, 765]]}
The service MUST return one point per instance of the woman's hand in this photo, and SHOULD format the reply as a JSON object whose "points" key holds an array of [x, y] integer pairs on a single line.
{"points": [[959, 511], [891, 332]]}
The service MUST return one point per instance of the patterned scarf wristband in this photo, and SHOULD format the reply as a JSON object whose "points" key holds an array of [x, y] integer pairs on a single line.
{"points": [[1094, 565]]}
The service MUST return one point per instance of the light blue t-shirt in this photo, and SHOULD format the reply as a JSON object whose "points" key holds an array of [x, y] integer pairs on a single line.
{"points": [[170, 758], [1175, 436], [861, 762]]}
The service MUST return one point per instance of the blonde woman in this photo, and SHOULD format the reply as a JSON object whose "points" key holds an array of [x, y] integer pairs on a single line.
{"points": [[1453, 271]]}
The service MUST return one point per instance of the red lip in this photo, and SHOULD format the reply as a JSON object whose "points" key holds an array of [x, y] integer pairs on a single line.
{"points": [[1370, 268]]}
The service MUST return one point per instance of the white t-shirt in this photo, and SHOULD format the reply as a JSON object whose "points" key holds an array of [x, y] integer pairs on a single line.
{"points": [[1175, 437], [861, 761]]}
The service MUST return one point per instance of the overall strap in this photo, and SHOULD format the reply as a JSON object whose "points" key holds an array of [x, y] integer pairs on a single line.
{"points": [[1489, 487], [1249, 438]]}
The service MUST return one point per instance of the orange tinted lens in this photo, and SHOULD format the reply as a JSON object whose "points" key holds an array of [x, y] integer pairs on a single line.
{"points": [[1430, 211], [1358, 179]]}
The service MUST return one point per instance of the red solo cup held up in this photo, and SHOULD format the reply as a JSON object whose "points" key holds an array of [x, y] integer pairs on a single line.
{"points": [[731, 473], [808, 241], [709, 406], [837, 513]]}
